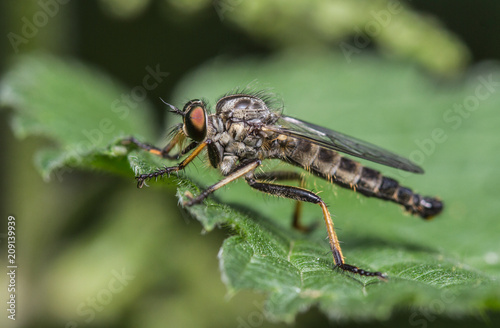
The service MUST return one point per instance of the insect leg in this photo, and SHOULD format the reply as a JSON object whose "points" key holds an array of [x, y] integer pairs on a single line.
{"points": [[183, 152], [161, 152], [287, 175], [304, 195], [167, 170], [235, 174]]}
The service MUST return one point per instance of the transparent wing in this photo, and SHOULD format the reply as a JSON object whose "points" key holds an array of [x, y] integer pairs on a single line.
{"points": [[343, 143]]}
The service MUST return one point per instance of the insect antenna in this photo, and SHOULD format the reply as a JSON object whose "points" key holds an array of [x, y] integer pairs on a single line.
{"points": [[173, 109]]}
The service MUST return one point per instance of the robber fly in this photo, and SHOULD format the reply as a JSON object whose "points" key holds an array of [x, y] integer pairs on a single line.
{"points": [[247, 128]]}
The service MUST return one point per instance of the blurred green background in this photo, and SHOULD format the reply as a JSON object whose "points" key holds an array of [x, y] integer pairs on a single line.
{"points": [[77, 234]]}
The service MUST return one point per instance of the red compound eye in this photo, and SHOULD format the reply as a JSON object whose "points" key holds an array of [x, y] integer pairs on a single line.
{"points": [[197, 118], [195, 122]]}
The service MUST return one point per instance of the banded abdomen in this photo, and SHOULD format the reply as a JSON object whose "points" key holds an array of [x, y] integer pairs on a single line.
{"points": [[330, 165]]}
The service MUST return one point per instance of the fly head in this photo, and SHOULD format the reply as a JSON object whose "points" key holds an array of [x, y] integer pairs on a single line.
{"points": [[194, 116]]}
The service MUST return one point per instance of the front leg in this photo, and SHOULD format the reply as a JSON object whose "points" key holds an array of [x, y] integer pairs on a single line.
{"points": [[167, 170], [165, 152]]}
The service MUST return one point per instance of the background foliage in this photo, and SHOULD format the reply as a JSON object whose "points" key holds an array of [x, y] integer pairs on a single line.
{"points": [[83, 229]]}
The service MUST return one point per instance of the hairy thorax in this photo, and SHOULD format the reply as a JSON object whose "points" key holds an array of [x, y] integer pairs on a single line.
{"points": [[235, 131]]}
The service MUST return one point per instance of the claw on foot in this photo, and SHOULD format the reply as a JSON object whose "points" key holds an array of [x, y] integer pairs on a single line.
{"points": [[140, 182], [356, 270]]}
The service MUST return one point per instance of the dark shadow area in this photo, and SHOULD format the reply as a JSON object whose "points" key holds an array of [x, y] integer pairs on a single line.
{"points": [[401, 318], [151, 40]]}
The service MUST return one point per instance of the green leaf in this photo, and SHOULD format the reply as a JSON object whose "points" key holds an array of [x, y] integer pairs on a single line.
{"points": [[447, 266], [79, 109]]}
